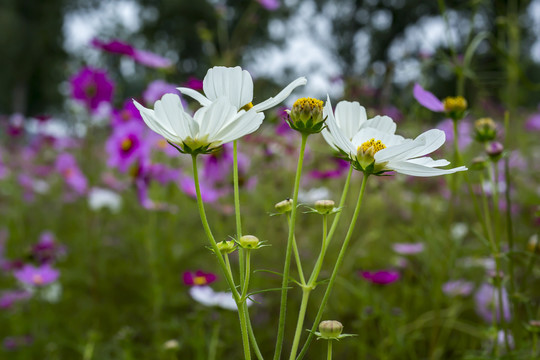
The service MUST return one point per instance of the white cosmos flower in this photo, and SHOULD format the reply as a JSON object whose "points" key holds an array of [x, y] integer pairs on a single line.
{"points": [[206, 296], [372, 145], [237, 86], [210, 127]]}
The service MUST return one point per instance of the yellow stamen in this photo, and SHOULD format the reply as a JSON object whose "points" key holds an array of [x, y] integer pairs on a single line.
{"points": [[37, 279], [126, 144], [309, 103], [247, 106], [373, 145], [457, 103], [162, 144], [199, 280]]}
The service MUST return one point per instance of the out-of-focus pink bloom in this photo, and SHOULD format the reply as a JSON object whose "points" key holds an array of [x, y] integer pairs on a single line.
{"points": [[341, 168], [270, 5], [14, 342], [159, 143], [487, 299], [37, 276], [32, 186], [198, 278], [143, 57], [92, 87], [193, 83], [128, 113], [392, 112], [67, 166], [382, 277], [15, 125], [427, 99], [533, 123], [408, 248], [4, 172], [156, 89], [208, 193], [8, 298], [47, 250], [42, 118], [464, 131], [458, 288], [163, 174], [126, 145]]}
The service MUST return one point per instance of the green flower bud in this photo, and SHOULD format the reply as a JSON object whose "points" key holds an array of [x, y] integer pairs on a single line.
{"points": [[226, 247], [478, 163], [494, 149], [284, 206], [306, 116], [485, 130], [455, 107], [330, 329], [324, 207], [249, 242]]}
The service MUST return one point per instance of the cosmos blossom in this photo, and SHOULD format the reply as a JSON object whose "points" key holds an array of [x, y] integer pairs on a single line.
{"points": [[143, 57], [381, 277], [127, 145], [37, 276], [427, 99], [198, 278], [207, 296], [408, 248], [67, 166], [92, 87]]}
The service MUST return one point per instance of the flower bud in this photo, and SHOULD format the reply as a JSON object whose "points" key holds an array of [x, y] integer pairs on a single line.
{"points": [[306, 116], [324, 207], [455, 107], [330, 329], [284, 206], [226, 247], [494, 149], [485, 130], [478, 163], [249, 242]]}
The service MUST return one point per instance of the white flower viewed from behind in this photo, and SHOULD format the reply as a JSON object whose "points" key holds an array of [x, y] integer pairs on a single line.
{"points": [[206, 296], [373, 147], [237, 86], [210, 127]]}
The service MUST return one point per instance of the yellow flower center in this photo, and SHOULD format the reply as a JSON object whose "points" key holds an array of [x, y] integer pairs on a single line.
{"points": [[162, 144], [199, 280], [484, 123], [126, 144], [308, 103], [457, 103], [372, 146], [37, 279], [247, 106]]}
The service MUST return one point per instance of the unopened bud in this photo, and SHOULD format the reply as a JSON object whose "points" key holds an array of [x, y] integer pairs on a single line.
{"points": [[330, 329], [478, 163], [485, 130], [249, 242], [284, 206], [324, 207], [455, 107], [226, 247], [306, 116], [494, 149]]}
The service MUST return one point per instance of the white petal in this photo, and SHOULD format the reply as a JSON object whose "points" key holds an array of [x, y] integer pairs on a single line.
{"points": [[381, 123], [283, 94], [398, 152], [159, 126], [216, 116], [203, 294], [427, 161], [434, 139], [337, 137], [350, 116], [234, 83], [170, 108], [195, 95], [245, 124], [408, 168], [368, 133]]}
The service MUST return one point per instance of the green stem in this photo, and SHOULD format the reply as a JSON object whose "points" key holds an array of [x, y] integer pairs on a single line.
{"points": [[290, 241], [224, 268], [241, 251], [329, 354], [214, 341], [318, 267], [252, 338], [246, 278], [300, 323], [336, 267], [297, 257]]}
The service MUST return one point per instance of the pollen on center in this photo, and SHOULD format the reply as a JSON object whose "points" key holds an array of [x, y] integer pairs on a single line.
{"points": [[199, 280], [126, 144], [309, 103], [374, 145]]}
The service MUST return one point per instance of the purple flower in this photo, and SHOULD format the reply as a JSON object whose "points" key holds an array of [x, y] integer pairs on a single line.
{"points": [[533, 123], [128, 113], [382, 277], [126, 145], [464, 131], [341, 168], [198, 278], [487, 301], [67, 166], [208, 192], [8, 298], [408, 248], [92, 87], [457, 288], [114, 47], [194, 83], [37, 276], [159, 143], [141, 56], [427, 99], [270, 5], [156, 89], [13, 342], [150, 59], [46, 250], [15, 125]]}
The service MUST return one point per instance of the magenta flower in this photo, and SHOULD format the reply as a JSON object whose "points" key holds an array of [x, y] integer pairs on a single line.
{"points": [[46, 250], [464, 131], [427, 99], [150, 59], [408, 248], [457, 288], [533, 123], [209, 194], [341, 168], [487, 301], [8, 298], [92, 87], [382, 277], [37, 276], [141, 56], [270, 5], [193, 83], [67, 166], [198, 278], [156, 89], [114, 47], [128, 113], [126, 145]]}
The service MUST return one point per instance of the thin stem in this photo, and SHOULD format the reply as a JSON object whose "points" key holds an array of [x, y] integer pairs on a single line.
{"points": [[317, 269], [244, 327], [329, 354], [336, 267], [252, 338], [246, 279], [300, 322], [290, 241], [297, 257], [241, 251], [214, 341]]}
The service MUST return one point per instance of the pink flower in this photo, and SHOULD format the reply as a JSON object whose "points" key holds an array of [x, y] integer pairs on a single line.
{"points": [[198, 278], [382, 277], [8, 298], [270, 5], [427, 99], [37, 276], [408, 248], [67, 166], [92, 87], [156, 89], [126, 145], [143, 57], [458, 288], [194, 83]]}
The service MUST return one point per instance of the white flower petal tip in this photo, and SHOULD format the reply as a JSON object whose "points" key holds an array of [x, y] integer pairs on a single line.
{"points": [[372, 146]]}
